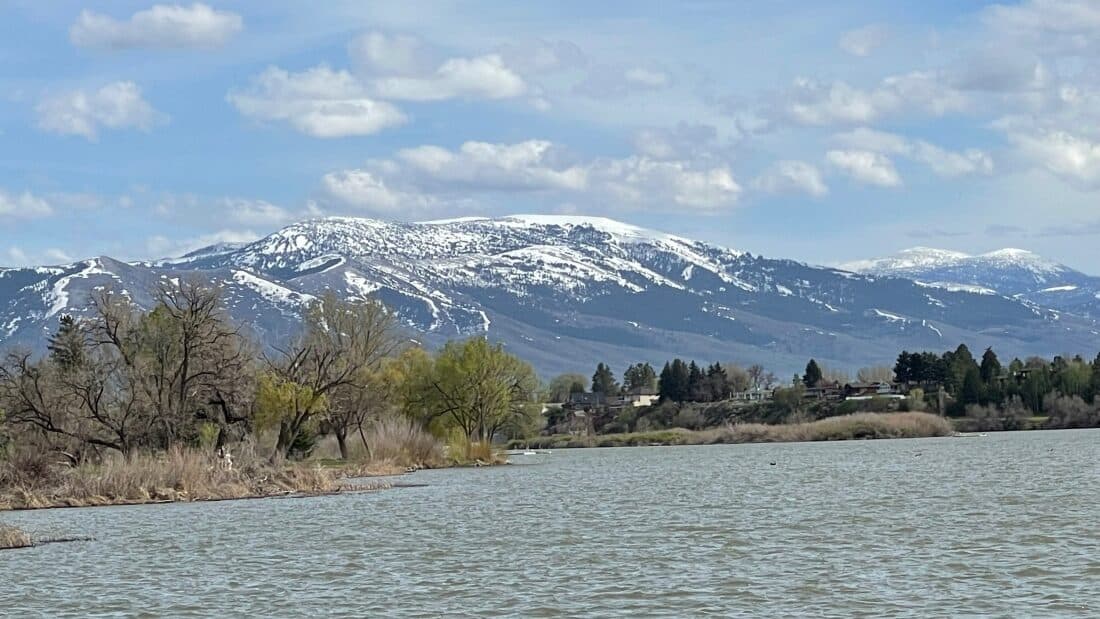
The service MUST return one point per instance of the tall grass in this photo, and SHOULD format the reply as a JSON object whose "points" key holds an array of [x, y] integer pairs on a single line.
{"points": [[11, 537], [846, 427], [175, 475]]}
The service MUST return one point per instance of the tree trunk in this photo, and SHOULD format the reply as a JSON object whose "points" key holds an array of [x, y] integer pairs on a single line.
{"points": [[366, 445], [342, 442]]}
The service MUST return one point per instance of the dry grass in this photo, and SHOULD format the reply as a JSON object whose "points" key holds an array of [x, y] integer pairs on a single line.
{"points": [[11, 537], [402, 442], [846, 427], [176, 475]]}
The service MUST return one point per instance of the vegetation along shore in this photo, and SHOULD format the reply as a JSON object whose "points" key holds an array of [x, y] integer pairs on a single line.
{"points": [[179, 403]]}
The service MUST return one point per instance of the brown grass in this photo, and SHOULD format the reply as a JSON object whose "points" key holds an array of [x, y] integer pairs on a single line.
{"points": [[176, 475], [11, 537], [847, 427]]}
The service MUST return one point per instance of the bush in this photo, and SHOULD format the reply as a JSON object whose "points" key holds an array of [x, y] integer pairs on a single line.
{"points": [[10, 537]]}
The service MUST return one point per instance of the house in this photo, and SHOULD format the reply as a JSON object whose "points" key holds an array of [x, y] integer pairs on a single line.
{"points": [[752, 396], [870, 390]]}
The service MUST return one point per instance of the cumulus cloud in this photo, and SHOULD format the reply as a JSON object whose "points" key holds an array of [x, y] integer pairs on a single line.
{"points": [[162, 26], [1071, 157], [426, 177], [814, 103], [863, 41], [389, 54], [320, 102], [792, 177], [160, 246], [1051, 26], [23, 206], [118, 105], [480, 77], [866, 167], [943, 162]]}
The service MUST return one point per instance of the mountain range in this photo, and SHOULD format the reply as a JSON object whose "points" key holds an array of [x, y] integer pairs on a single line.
{"points": [[566, 291]]}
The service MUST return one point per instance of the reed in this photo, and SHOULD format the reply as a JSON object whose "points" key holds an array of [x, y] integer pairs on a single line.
{"points": [[846, 427], [11, 537]]}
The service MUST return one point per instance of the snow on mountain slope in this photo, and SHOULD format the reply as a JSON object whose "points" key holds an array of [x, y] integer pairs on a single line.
{"points": [[568, 291], [1012, 272]]}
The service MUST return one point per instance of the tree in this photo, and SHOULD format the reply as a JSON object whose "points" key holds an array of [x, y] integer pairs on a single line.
{"points": [[69, 345], [603, 380], [813, 374], [640, 376], [1094, 378], [479, 388], [563, 386], [675, 381], [903, 369], [971, 391], [342, 341], [697, 389], [990, 367]]}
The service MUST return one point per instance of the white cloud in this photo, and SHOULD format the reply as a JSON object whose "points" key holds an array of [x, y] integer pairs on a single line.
{"points": [[481, 77], [863, 41], [162, 26], [792, 177], [943, 162], [1052, 26], [58, 256], [815, 103], [538, 56], [1071, 157], [646, 78], [23, 206], [118, 105], [429, 177], [366, 190], [684, 141], [867, 167], [386, 54], [532, 164], [320, 102], [17, 256], [607, 82], [160, 246], [255, 212]]}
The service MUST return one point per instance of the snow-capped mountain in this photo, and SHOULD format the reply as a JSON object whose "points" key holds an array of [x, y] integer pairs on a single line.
{"points": [[1018, 273], [564, 292]]}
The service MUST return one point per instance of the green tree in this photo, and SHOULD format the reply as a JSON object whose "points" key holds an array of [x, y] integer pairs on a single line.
{"points": [[971, 391], [603, 381], [478, 388], [563, 386], [69, 345], [990, 367], [1094, 378], [640, 376], [812, 376]]}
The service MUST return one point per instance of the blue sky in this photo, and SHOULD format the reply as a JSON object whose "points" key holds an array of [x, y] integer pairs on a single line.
{"points": [[825, 132]]}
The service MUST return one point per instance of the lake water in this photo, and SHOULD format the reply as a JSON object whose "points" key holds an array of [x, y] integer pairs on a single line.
{"points": [[1005, 525]]}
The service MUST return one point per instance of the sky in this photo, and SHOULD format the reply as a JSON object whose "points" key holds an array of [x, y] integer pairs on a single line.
{"points": [[823, 132]]}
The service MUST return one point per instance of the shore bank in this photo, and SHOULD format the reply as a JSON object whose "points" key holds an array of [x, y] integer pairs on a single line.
{"points": [[176, 476], [860, 426]]}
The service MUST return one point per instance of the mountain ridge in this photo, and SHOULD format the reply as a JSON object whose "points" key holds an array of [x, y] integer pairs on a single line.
{"points": [[564, 291]]}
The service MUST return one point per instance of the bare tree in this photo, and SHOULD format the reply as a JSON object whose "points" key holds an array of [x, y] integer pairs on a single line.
{"points": [[342, 343]]}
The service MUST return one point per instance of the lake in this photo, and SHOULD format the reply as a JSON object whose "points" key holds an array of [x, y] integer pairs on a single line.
{"points": [[1002, 525]]}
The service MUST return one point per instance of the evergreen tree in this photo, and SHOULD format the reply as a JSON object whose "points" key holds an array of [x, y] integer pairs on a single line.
{"points": [[903, 369], [697, 384], [67, 347], [603, 381], [971, 391], [813, 374], [675, 379], [719, 382], [991, 367]]}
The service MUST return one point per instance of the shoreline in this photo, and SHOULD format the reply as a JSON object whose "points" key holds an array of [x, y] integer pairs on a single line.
{"points": [[858, 426]]}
